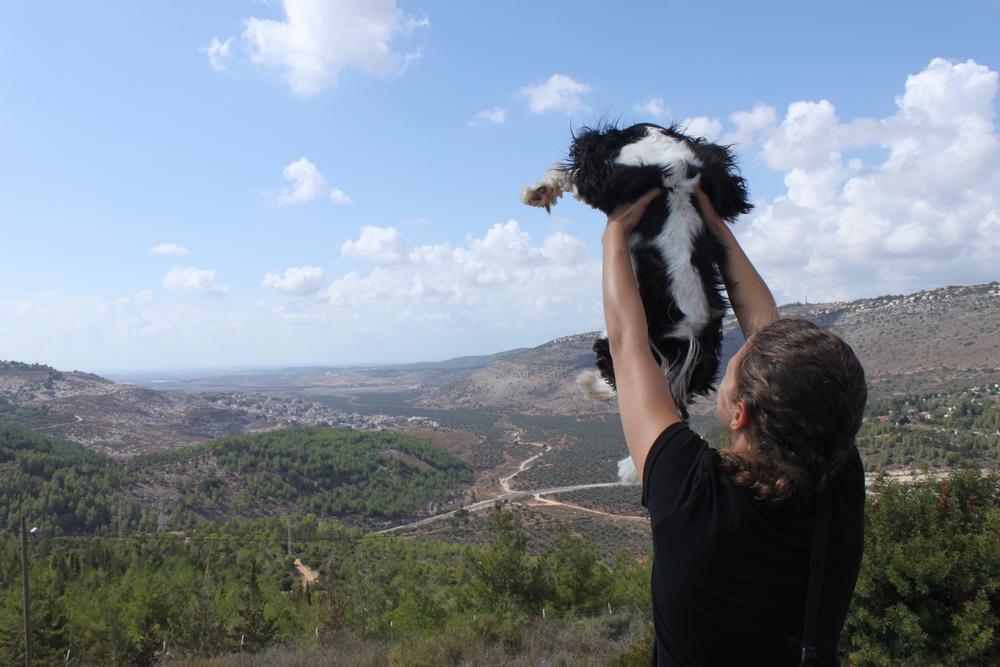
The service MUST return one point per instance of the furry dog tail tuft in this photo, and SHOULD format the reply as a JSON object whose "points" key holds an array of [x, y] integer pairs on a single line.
{"points": [[595, 386], [627, 472]]}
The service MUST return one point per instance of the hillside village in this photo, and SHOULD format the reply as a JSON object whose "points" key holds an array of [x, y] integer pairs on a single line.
{"points": [[889, 302], [285, 411], [125, 420]]}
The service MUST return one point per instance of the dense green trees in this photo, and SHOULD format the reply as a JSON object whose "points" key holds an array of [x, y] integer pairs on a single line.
{"points": [[66, 489], [63, 487], [324, 471], [120, 601], [937, 430], [929, 590]]}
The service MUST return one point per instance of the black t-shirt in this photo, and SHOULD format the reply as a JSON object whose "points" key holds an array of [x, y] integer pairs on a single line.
{"points": [[730, 574]]}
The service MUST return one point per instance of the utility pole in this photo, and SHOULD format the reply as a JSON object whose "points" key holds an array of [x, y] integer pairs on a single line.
{"points": [[161, 518], [27, 593]]}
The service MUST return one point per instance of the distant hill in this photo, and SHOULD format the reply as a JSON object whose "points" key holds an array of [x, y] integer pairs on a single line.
{"points": [[931, 341], [115, 418], [943, 339], [540, 380], [126, 420]]}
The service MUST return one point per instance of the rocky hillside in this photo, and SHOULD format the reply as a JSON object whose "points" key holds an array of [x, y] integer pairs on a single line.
{"points": [[541, 380], [115, 418], [942, 339], [926, 342], [946, 338], [125, 420]]}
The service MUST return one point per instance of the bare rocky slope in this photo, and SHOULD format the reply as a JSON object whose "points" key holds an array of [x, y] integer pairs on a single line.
{"points": [[541, 380], [946, 338], [125, 420], [928, 341]]}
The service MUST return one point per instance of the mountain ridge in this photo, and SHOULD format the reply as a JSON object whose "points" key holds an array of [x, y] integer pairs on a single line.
{"points": [[928, 341]]}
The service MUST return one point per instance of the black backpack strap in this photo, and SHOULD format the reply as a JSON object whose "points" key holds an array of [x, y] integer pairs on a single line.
{"points": [[817, 563]]}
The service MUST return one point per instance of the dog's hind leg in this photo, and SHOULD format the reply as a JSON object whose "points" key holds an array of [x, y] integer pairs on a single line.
{"points": [[599, 385]]}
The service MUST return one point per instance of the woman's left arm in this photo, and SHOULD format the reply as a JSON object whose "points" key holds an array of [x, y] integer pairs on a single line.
{"points": [[644, 399]]}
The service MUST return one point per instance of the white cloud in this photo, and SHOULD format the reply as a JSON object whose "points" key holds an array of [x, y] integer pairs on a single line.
{"points": [[168, 249], [303, 281], [700, 126], [559, 93], [318, 39], [338, 196], [193, 281], [378, 245], [876, 206], [652, 107], [496, 116], [307, 185], [217, 53], [503, 279], [749, 124]]}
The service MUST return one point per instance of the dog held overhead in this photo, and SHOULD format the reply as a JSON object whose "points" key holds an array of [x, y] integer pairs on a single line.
{"points": [[675, 258]]}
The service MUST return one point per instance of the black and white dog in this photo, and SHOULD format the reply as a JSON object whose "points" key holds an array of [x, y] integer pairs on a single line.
{"points": [[675, 258]]}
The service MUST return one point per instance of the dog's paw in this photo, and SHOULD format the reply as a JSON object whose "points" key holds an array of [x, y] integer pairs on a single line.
{"points": [[542, 195], [595, 386], [548, 190]]}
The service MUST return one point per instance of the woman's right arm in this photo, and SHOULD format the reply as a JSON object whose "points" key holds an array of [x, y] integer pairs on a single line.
{"points": [[749, 295]]}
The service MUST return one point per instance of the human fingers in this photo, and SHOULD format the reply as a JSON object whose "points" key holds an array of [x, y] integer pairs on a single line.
{"points": [[630, 213], [707, 210]]}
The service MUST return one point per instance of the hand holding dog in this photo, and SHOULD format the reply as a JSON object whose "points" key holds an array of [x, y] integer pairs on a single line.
{"points": [[749, 296], [626, 216]]}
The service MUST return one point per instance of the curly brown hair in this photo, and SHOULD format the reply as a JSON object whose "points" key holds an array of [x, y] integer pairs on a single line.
{"points": [[805, 391]]}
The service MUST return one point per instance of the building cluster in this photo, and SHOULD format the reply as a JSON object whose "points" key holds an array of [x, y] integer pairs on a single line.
{"points": [[287, 411], [990, 289]]}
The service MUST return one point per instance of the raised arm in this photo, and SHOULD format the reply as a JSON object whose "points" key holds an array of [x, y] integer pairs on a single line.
{"points": [[749, 296], [644, 399]]}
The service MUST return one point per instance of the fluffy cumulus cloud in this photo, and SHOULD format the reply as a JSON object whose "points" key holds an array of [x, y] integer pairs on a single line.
{"points": [[559, 93], [878, 205], [308, 184], [189, 280], [317, 40], [378, 245], [504, 278], [297, 282]]}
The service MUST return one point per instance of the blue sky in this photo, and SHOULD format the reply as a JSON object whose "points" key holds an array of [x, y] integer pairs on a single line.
{"points": [[240, 183]]}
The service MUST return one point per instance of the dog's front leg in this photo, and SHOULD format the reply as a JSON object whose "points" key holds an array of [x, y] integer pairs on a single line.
{"points": [[545, 192]]}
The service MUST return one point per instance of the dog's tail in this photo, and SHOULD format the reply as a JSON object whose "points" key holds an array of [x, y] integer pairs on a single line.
{"points": [[595, 386], [680, 371], [627, 472]]}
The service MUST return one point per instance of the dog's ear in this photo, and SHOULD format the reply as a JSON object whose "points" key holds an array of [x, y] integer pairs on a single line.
{"points": [[591, 160], [721, 180]]}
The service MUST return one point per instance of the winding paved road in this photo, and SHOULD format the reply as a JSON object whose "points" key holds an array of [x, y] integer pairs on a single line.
{"points": [[514, 495]]}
